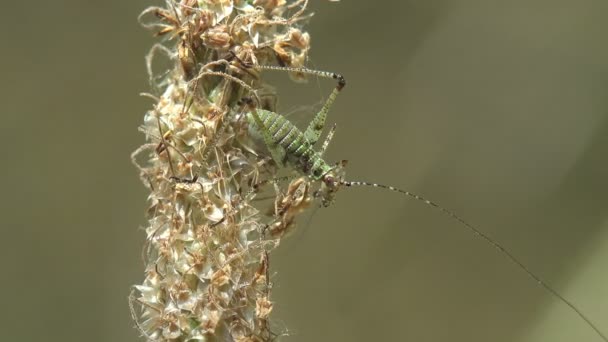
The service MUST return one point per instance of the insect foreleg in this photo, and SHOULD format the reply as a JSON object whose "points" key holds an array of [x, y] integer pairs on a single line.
{"points": [[330, 135]]}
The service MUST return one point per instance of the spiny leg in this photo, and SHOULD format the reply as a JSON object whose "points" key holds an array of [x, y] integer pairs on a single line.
{"points": [[313, 131], [330, 135]]}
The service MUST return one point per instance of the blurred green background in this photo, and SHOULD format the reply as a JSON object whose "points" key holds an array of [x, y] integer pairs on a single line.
{"points": [[495, 109]]}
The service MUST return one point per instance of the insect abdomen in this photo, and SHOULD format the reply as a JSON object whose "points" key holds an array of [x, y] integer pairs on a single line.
{"points": [[290, 144], [284, 134]]}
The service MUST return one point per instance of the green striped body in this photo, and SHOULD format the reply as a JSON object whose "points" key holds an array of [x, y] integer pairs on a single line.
{"points": [[289, 144]]}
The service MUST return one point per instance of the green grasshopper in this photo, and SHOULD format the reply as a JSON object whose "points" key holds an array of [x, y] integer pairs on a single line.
{"points": [[289, 146]]}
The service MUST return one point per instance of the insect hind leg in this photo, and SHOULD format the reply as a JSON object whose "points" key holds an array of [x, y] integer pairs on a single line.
{"points": [[313, 131]]}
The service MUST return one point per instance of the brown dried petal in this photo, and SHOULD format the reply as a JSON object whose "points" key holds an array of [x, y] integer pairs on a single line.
{"points": [[209, 321], [206, 19], [298, 39], [217, 38], [263, 307], [220, 8], [221, 277], [275, 7], [171, 331]]}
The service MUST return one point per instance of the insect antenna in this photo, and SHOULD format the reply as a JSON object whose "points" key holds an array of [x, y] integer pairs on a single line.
{"points": [[492, 242]]}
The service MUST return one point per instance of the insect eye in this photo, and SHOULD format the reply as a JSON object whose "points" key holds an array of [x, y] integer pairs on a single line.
{"points": [[316, 173]]}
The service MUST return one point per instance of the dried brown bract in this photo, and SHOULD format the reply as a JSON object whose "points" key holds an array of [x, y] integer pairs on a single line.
{"points": [[297, 199]]}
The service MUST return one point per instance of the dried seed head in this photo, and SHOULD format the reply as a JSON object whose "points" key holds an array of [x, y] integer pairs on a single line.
{"points": [[272, 7], [292, 50], [207, 242], [263, 307], [204, 21], [187, 60], [217, 38], [297, 199]]}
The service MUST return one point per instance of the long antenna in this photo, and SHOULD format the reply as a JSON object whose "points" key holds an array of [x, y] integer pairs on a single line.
{"points": [[489, 240]]}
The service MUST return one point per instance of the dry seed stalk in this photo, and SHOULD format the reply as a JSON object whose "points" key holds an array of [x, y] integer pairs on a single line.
{"points": [[206, 254]]}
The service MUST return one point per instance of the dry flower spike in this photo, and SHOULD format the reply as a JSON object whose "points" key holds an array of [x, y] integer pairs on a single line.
{"points": [[206, 255]]}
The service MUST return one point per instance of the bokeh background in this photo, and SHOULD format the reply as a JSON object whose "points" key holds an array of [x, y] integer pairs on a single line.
{"points": [[495, 109]]}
